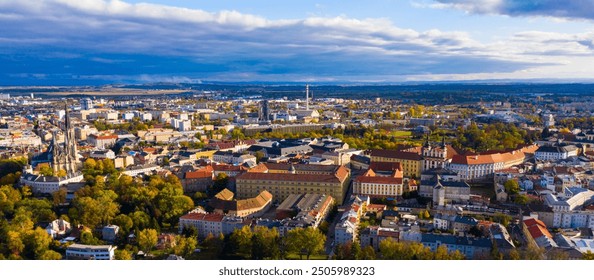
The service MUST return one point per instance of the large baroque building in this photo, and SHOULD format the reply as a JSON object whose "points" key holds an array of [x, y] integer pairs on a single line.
{"points": [[374, 185], [295, 179]]}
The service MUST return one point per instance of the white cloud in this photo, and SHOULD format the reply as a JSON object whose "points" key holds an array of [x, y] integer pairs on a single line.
{"points": [[229, 44], [571, 9]]}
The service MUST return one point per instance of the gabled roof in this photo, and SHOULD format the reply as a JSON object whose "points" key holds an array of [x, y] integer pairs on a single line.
{"points": [[537, 228], [225, 194], [203, 173]]}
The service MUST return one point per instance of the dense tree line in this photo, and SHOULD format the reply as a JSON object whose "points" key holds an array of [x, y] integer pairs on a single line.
{"points": [[134, 204], [496, 136], [577, 122]]}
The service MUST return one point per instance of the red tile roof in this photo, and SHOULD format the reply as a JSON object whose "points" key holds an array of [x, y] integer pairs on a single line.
{"points": [[289, 177], [203, 173], [387, 233], [376, 207], [537, 228], [385, 166], [103, 137], [210, 217]]}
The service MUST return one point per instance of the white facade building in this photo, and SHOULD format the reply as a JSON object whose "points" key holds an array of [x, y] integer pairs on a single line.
{"points": [[90, 252]]}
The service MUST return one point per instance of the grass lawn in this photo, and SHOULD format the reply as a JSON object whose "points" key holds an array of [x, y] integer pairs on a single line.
{"points": [[401, 134]]}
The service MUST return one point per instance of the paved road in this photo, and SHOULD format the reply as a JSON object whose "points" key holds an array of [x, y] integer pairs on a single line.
{"points": [[329, 247]]}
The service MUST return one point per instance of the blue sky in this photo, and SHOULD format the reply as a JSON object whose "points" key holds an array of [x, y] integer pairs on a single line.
{"points": [[55, 42]]}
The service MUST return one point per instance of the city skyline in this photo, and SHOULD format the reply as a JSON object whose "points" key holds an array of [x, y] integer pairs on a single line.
{"points": [[63, 42]]}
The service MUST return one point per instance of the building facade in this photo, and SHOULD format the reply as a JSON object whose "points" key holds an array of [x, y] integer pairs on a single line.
{"points": [[281, 185], [90, 252]]}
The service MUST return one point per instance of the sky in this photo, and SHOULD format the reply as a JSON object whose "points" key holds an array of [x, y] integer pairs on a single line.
{"points": [[90, 42]]}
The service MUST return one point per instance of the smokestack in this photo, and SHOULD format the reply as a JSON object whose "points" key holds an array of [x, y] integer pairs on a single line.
{"points": [[306, 97]]}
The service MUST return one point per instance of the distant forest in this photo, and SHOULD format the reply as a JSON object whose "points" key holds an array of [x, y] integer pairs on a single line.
{"points": [[439, 93]]}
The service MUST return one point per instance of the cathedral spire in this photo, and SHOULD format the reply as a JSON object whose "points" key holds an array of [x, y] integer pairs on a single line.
{"points": [[66, 117], [427, 145]]}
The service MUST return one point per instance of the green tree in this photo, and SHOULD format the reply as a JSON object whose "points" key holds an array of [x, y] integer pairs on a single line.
{"points": [[265, 243], [259, 156], [521, 199], [123, 254], [87, 238], [61, 173], [426, 215], [532, 252], [141, 220], [441, 253], [220, 183], [59, 197], [40, 209], [511, 186], [36, 241], [305, 241], [588, 255], [50, 255], [184, 246], [368, 253], [502, 219], [147, 239], [14, 243], [355, 251], [242, 240], [93, 212], [46, 171], [124, 222], [9, 197]]}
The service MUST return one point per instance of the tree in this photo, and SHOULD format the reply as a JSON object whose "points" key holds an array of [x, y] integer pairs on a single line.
{"points": [[242, 240], [220, 182], [89, 166], [93, 212], [122, 255], [521, 199], [368, 253], [87, 238], [61, 173], [511, 186], [588, 256], [355, 251], [424, 214], [37, 241], [532, 252], [147, 239], [514, 254], [46, 171], [259, 156], [305, 241], [184, 246], [141, 220], [59, 197], [40, 209], [14, 243], [502, 219], [9, 197], [441, 253], [26, 191], [124, 222], [50, 255], [265, 243]]}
